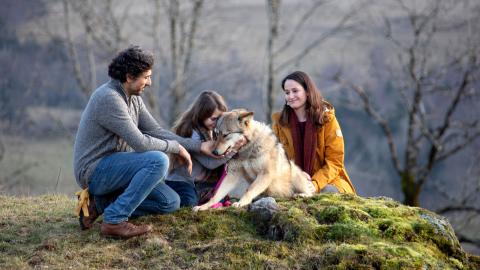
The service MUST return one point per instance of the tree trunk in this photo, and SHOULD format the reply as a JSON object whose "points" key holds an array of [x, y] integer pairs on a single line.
{"points": [[273, 7], [411, 189]]}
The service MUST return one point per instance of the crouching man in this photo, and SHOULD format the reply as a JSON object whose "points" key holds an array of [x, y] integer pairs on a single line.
{"points": [[119, 152]]}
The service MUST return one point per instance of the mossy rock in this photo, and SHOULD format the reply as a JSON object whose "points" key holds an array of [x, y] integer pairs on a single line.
{"points": [[328, 231], [369, 233]]}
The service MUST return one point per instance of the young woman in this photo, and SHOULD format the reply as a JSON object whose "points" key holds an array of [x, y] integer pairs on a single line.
{"points": [[311, 135], [198, 123]]}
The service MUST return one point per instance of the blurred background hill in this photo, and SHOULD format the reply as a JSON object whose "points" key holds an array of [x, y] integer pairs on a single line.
{"points": [[403, 77]]}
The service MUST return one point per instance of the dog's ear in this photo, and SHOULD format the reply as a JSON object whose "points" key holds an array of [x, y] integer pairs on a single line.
{"points": [[245, 117]]}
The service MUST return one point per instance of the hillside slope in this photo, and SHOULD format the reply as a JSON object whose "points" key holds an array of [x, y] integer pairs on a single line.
{"points": [[327, 231]]}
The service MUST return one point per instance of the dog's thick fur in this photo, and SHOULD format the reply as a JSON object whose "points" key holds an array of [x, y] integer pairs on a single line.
{"points": [[261, 165]]}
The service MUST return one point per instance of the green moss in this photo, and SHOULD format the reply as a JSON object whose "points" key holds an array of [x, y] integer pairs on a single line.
{"points": [[334, 214], [294, 226], [444, 238], [348, 232], [330, 231], [398, 231], [378, 212], [329, 214]]}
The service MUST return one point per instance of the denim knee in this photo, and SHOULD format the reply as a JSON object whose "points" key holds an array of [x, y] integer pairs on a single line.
{"points": [[159, 161]]}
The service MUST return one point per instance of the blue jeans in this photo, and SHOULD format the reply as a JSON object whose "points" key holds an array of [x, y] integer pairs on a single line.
{"points": [[186, 191], [137, 179]]}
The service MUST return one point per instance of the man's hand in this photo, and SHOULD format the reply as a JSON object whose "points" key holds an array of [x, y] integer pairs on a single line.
{"points": [[186, 157]]}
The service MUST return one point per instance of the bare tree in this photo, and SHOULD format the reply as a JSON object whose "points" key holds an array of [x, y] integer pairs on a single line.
{"points": [[2, 150], [151, 96], [183, 29], [102, 29], [273, 9], [435, 86], [276, 48]]}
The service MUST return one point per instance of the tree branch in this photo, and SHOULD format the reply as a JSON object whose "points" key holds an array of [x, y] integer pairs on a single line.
{"points": [[465, 239], [452, 208], [197, 7], [456, 100], [322, 38], [298, 26], [84, 87], [2, 149], [468, 139], [377, 118]]}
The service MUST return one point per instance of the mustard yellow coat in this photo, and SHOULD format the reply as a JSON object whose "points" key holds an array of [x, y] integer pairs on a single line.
{"points": [[328, 166]]}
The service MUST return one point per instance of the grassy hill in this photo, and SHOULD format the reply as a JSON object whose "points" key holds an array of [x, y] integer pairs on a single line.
{"points": [[326, 231]]}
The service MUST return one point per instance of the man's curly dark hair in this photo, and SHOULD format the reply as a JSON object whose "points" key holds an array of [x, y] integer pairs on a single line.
{"points": [[133, 61]]}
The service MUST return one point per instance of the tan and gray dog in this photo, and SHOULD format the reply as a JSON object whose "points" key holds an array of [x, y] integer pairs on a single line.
{"points": [[261, 165]]}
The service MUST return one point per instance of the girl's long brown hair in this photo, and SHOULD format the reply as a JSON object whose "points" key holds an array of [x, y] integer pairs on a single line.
{"points": [[315, 105], [202, 108]]}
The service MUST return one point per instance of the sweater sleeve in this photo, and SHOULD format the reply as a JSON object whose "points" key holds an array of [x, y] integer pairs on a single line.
{"points": [[334, 155], [112, 114], [149, 126]]}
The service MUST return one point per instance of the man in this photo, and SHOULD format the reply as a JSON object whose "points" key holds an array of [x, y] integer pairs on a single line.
{"points": [[119, 152]]}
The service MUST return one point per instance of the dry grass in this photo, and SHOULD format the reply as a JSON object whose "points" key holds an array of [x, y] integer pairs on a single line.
{"points": [[327, 231]]}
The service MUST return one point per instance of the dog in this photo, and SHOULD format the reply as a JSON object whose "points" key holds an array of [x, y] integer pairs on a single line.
{"points": [[261, 166]]}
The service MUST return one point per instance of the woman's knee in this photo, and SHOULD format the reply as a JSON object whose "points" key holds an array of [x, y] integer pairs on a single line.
{"points": [[171, 204], [186, 192], [330, 189], [188, 201]]}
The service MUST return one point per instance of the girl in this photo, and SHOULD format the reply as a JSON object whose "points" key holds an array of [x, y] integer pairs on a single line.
{"points": [[198, 123], [311, 135]]}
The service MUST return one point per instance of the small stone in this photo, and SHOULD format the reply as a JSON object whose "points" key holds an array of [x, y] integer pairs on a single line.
{"points": [[263, 209]]}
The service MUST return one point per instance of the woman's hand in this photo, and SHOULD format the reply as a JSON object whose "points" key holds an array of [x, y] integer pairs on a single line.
{"points": [[307, 176], [183, 153], [311, 186]]}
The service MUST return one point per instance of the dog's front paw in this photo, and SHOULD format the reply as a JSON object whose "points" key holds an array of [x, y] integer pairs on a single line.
{"points": [[200, 208], [302, 195], [240, 204]]}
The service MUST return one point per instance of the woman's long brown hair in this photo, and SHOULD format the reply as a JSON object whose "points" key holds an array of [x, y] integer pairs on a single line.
{"points": [[315, 105]]}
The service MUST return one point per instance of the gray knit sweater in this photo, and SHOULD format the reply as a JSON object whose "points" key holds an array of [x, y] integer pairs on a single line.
{"points": [[113, 122], [202, 165]]}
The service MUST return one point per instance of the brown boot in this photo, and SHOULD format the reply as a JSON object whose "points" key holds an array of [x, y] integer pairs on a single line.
{"points": [[87, 222], [123, 230]]}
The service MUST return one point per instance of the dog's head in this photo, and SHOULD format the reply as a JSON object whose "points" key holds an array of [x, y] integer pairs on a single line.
{"points": [[231, 127]]}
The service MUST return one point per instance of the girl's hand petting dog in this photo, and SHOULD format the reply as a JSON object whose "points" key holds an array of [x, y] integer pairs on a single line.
{"points": [[207, 148], [239, 144]]}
